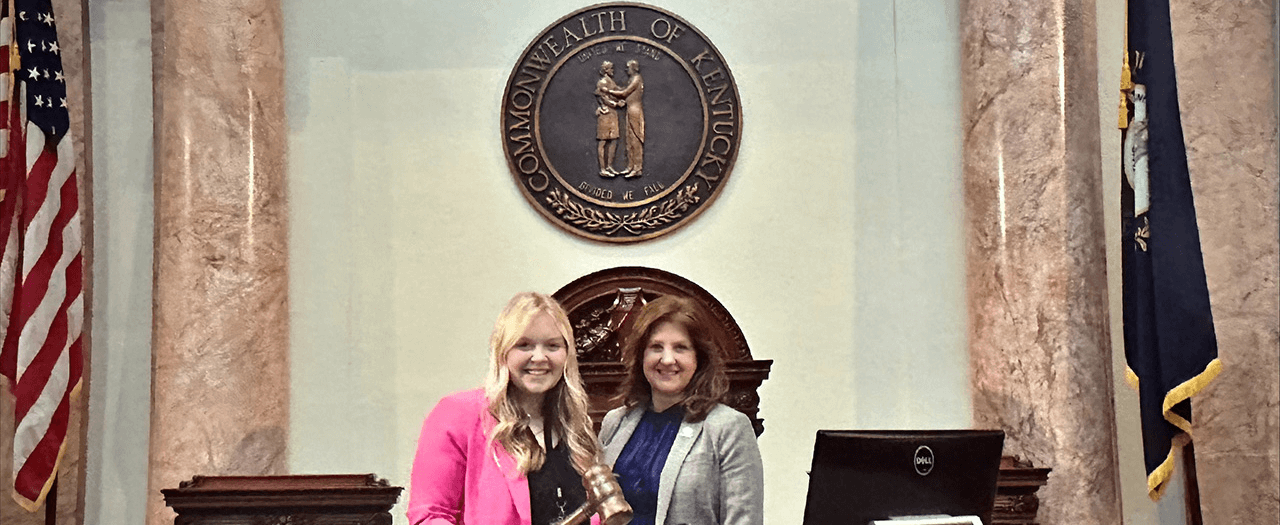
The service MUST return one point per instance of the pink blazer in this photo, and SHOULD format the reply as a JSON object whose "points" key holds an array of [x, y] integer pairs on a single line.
{"points": [[458, 477]]}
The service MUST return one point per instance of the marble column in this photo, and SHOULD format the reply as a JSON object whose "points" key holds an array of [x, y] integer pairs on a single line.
{"points": [[220, 341], [1225, 55], [1040, 351]]}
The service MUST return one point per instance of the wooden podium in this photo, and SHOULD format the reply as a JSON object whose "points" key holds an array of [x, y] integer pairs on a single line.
{"points": [[347, 499], [1016, 500]]}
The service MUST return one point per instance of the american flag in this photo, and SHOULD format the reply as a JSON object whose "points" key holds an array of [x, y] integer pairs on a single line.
{"points": [[40, 288]]}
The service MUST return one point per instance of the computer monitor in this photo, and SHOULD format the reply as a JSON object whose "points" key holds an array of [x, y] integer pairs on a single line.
{"points": [[863, 475]]}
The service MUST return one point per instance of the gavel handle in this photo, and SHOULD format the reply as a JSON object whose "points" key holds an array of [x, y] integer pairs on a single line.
{"points": [[579, 516]]}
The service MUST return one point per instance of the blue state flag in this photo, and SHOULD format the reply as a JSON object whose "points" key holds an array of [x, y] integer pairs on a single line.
{"points": [[1170, 345]]}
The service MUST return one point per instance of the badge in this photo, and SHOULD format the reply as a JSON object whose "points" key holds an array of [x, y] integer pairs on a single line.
{"points": [[621, 122]]}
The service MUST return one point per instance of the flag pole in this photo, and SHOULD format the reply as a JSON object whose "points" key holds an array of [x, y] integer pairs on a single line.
{"points": [[1194, 515], [51, 503]]}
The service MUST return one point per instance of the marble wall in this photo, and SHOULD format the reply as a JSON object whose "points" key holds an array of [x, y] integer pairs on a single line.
{"points": [[1225, 55]]}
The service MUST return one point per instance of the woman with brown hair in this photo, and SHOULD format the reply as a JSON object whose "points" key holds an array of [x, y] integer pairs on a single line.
{"points": [[681, 455]]}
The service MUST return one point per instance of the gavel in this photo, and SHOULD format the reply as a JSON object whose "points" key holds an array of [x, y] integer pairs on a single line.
{"points": [[604, 496]]}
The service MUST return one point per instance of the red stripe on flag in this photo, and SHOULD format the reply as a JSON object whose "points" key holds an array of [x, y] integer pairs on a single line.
{"points": [[33, 381], [34, 290], [36, 283], [38, 182], [8, 216], [13, 168], [42, 463], [30, 480]]}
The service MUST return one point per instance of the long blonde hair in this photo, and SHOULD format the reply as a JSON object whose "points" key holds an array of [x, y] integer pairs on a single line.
{"points": [[564, 406]]}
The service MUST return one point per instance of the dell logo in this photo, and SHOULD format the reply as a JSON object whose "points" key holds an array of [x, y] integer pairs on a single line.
{"points": [[924, 460]]}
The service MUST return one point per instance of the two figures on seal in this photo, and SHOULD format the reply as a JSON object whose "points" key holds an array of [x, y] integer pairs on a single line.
{"points": [[610, 99]]}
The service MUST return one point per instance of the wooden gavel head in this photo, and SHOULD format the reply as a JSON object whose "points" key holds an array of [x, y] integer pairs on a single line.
{"points": [[603, 490], [604, 496]]}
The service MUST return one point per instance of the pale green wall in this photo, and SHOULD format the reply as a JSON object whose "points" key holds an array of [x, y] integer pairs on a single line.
{"points": [[120, 371], [910, 367]]}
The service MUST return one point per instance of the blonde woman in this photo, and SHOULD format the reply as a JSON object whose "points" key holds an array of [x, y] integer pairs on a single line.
{"points": [[512, 452]]}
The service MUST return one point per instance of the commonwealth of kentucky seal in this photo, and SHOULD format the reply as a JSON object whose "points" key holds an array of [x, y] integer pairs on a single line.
{"points": [[621, 122]]}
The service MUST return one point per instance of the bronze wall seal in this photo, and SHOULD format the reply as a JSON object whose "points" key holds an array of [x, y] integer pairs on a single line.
{"points": [[621, 122]]}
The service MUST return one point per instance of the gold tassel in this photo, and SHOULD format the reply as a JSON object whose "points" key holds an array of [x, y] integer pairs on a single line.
{"points": [[1126, 76], [1126, 85]]}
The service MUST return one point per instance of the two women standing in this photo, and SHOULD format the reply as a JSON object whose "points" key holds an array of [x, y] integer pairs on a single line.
{"points": [[514, 452]]}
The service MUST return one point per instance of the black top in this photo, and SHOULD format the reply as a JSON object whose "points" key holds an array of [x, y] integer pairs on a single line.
{"points": [[556, 489]]}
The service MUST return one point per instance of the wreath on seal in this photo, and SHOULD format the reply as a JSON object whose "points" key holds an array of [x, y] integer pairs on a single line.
{"points": [[646, 219]]}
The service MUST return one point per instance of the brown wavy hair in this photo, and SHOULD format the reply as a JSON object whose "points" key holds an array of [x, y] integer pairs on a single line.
{"points": [[709, 383], [564, 406]]}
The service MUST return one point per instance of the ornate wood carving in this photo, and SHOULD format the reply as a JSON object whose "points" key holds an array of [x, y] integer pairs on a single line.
{"points": [[345, 499], [600, 305], [1016, 500]]}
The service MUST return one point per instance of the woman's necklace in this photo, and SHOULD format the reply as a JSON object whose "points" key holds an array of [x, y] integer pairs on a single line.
{"points": [[561, 503]]}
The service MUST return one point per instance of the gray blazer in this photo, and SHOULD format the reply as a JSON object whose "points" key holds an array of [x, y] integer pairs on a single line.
{"points": [[713, 474]]}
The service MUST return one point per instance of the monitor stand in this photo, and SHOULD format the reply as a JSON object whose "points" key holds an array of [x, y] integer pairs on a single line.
{"points": [[930, 519]]}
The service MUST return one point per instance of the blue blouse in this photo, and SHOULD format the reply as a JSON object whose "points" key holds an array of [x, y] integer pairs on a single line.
{"points": [[639, 466]]}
